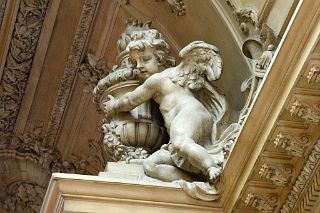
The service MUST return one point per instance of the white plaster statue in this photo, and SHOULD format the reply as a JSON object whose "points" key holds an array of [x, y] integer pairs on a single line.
{"points": [[190, 105]]}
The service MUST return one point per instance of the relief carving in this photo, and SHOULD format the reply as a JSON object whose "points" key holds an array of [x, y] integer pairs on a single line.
{"points": [[91, 71], [23, 197], [18, 64], [295, 146], [29, 146], [262, 204], [307, 111], [280, 176], [177, 6], [303, 179], [314, 74], [74, 60]]}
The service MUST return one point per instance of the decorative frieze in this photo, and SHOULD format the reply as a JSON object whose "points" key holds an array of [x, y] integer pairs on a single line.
{"points": [[280, 176], [314, 74], [18, 64], [310, 113], [303, 179], [74, 60], [23, 197], [293, 146], [260, 203]]}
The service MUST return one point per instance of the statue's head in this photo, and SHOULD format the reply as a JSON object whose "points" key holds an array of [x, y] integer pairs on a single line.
{"points": [[149, 52], [205, 57]]}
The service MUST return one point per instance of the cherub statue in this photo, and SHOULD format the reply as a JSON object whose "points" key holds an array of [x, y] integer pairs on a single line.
{"points": [[190, 105]]}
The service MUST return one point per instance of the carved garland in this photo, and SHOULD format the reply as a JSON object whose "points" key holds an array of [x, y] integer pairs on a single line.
{"points": [[86, 19], [302, 180], [19, 61]]}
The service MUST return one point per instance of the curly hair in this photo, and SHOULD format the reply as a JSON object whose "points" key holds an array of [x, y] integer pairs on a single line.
{"points": [[151, 38]]}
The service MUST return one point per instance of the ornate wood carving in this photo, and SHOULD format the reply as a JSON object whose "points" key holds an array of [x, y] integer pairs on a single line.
{"points": [[19, 61], [177, 7], [279, 176], [261, 203], [2, 10], [291, 144], [23, 197], [29, 146], [303, 179], [74, 60], [310, 112], [314, 74]]}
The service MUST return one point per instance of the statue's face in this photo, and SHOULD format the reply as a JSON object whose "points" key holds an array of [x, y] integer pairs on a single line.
{"points": [[146, 62]]}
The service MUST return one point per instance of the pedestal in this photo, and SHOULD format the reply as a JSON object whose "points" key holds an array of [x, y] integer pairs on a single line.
{"points": [[84, 193]]}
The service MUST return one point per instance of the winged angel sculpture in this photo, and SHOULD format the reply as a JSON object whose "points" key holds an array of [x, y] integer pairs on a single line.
{"points": [[191, 107]]}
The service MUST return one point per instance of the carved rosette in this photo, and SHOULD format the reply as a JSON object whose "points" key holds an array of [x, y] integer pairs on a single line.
{"points": [[295, 146], [279, 176], [309, 112], [138, 133], [261, 203], [23, 197], [314, 75]]}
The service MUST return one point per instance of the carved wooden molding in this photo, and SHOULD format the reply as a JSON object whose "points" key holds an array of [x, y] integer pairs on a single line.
{"points": [[19, 61], [74, 60], [303, 179], [261, 203]]}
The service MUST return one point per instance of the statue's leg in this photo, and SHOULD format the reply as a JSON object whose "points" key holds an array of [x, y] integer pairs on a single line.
{"points": [[197, 155], [160, 166]]}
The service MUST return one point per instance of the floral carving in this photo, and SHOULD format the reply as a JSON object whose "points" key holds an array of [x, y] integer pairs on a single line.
{"points": [[91, 71], [23, 197], [19, 60], [263, 205], [314, 74], [177, 7], [311, 114], [280, 177], [293, 146], [29, 146], [114, 146]]}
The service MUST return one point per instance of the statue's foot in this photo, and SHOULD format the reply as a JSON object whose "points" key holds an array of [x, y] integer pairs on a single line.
{"points": [[213, 173]]}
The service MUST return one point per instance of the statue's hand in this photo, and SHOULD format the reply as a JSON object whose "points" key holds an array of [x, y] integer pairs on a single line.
{"points": [[109, 106]]}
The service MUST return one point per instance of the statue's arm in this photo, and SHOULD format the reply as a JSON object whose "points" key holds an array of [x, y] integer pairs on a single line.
{"points": [[131, 100]]}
